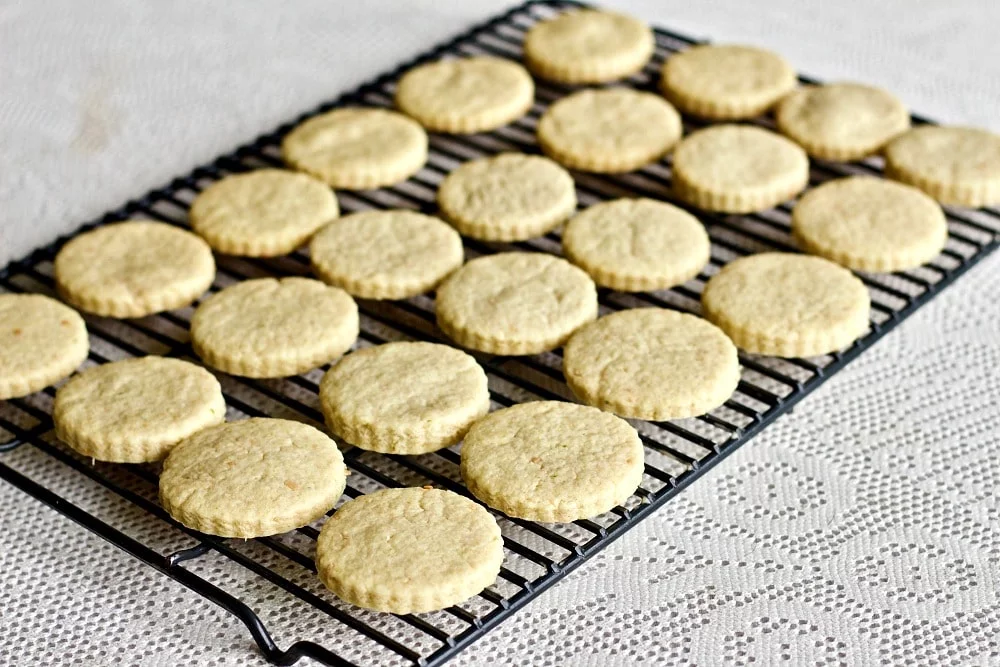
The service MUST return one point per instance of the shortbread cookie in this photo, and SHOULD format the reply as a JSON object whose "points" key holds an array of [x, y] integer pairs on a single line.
{"points": [[404, 398], [466, 95], [409, 550], [869, 224], [726, 81], [515, 303], [252, 478], [357, 148], [841, 121], [136, 410], [634, 245], [41, 342], [588, 46], [955, 165], [552, 461], [651, 363], [391, 254], [263, 213], [609, 131], [267, 327], [509, 197], [787, 305], [134, 269], [738, 169]]}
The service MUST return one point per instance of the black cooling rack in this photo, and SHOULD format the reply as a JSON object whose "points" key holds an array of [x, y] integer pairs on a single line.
{"points": [[269, 584]]}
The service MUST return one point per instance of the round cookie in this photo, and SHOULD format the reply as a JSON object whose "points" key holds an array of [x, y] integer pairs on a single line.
{"points": [[955, 165], [262, 213], [726, 81], [136, 410], [738, 169], [610, 130], [41, 342], [466, 95], [409, 550], [391, 254], [787, 305], [651, 363], [252, 478], [404, 398], [134, 269], [508, 197], [841, 121], [357, 148], [552, 461], [268, 328], [515, 303], [869, 224], [588, 46], [636, 245]]}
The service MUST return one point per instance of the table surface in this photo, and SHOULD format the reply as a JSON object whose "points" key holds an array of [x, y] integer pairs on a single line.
{"points": [[863, 528]]}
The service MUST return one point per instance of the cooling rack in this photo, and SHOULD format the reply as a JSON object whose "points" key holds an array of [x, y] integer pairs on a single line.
{"points": [[269, 584]]}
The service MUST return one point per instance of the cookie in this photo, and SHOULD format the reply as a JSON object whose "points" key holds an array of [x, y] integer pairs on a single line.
{"points": [[391, 254], [134, 269], [268, 328], [651, 363], [738, 169], [357, 148], [787, 305], [136, 410], [508, 197], [869, 224], [588, 46], [466, 95], [611, 130], [841, 121], [552, 461], [404, 398], [955, 165], [515, 303], [41, 342], [252, 478], [409, 550], [726, 81], [263, 213], [635, 245]]}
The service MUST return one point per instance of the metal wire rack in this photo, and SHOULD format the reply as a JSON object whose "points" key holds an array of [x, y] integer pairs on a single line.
{"points": [[250, 578]]}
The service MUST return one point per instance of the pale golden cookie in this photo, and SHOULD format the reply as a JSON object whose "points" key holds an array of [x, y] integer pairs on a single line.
{"points": [[263, 213], [651, 363], [357, 148], [515, 303], [409, 550], [134, 269], [267, 327], [404, 398], [41, 342], [252, 478], [635, 245], [841, 121], [787, 305], [508, 197], [136, 410], [738, 169], [552, 461], [588, 46], [466, 95], [869, 224], [611, 130], [391, 254]]}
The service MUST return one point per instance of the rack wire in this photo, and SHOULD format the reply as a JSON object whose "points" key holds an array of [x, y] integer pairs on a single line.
{"points": [[252, 579]]}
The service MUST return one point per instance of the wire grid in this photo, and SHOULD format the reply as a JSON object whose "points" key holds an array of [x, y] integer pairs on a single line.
{"points": [[274, 577]]}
